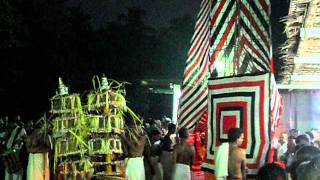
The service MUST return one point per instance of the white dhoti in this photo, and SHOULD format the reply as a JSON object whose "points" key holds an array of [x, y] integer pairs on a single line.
{"points": [[182, 171], [135, 169], [38, 166], [221, 158]]}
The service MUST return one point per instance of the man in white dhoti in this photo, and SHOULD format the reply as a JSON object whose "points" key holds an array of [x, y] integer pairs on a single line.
{"points": [[230, 158], [38, 145], [135, 167], [183, 156]]}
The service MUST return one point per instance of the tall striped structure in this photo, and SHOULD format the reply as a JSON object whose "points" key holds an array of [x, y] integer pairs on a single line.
{"points": [[193, 102], [232, 37], [232, 44], [240, 36]]}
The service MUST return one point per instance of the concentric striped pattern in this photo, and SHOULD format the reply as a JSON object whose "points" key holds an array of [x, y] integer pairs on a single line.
{"points": [[193, 102], [240, 101], [234, 32], [240, 36]]}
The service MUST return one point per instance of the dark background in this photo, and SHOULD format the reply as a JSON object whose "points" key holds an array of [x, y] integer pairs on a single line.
{"points": [[41, 40]]}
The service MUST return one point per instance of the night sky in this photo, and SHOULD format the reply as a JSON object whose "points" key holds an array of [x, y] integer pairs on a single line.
{"points": [[159, 12], [77, 39]]}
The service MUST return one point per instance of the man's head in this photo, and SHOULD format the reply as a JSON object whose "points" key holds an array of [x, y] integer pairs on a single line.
{"points": [[271, 172], [235, 135], [311, 170], [157, 123], [303, 140], [155, 134], [310, 135], [183, 133], [283, 137], [291, 144], [29, 127], [293, 132], [171, 128]]}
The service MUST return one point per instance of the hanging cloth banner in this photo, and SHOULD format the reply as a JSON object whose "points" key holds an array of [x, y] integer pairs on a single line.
{"points": [[244, 102]]}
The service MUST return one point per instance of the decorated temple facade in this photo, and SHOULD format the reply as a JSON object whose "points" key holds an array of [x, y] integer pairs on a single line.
{"points": [[300, 73], [229, 79]]}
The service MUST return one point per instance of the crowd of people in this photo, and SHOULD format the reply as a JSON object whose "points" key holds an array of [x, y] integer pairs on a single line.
{"points": [[24, 150], [156, 152], [298, 154], [166, 155], [295, 156], [159, 151]]}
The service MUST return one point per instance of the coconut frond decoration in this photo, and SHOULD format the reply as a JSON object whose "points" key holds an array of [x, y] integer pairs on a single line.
{"points": [[105, 110], [69, 131], [88, 136]]}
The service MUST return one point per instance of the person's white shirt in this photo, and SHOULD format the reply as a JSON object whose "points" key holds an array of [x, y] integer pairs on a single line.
{"points": [[283, 148], [173, 138]]}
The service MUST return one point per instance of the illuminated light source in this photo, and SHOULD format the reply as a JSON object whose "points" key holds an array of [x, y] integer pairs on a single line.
{"points": [[176, 96], [143, 82], [219, 67]]}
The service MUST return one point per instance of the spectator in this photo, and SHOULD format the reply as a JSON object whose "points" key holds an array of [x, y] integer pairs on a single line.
{"points": [[283, 144], [304, 154], [183, 157], [294, 133], [271, 172], [10, 153], [288, 157], [166, 157], [302, 140], [310, 170], [152, 166]]}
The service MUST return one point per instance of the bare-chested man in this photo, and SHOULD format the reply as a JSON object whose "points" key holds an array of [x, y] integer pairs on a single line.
{"points": [[166, 156], [237, 155], [183, 155], [135, 144], [38, 145]]}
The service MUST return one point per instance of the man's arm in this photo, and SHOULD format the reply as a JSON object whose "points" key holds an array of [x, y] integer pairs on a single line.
{"points": [[243, 165], [192, 152], [175, 148]]}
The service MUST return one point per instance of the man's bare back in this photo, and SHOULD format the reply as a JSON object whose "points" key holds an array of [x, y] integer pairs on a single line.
{"points": [[237, 155], [135, 146], [184, 153], [236, 161]]}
